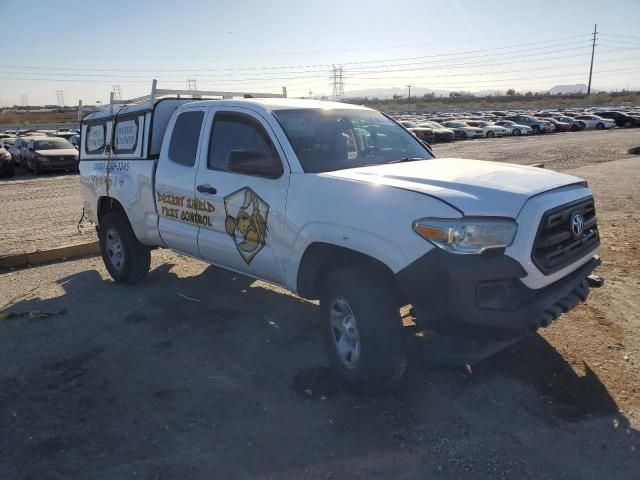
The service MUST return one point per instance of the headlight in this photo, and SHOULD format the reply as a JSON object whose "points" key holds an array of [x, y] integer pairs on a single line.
{"points": [[466, 235]]}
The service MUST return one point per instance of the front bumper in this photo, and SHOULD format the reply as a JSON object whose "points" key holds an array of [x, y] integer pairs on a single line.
{"points": [[57, 165], [482, 297]]}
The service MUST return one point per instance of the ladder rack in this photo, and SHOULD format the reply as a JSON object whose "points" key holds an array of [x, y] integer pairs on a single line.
{"points": [[194, 94]]}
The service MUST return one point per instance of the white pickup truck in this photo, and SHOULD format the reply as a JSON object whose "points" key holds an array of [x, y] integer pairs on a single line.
{"points": [[340, 203]]}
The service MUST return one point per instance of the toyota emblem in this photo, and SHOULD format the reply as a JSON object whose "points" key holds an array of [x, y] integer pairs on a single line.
{"points": [[577, 225]]}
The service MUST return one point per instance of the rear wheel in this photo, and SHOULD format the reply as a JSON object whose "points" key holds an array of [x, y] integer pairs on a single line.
{"points": [[362, 329], [599, 126], [575, 128], [516, 132], [490, 134], [536, 129], [628, 124], [126, 259]]}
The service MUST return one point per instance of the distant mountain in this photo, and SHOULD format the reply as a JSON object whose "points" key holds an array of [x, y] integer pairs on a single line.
{"points": [[577, 88]]}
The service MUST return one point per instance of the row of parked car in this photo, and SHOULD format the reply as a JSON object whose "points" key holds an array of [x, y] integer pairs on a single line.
{"points": [[38, 150], [443, 127]]}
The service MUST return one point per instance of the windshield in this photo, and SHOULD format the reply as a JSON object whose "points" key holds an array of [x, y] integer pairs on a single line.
{"points": [[456, 124], [52, 144], [327, 140]]}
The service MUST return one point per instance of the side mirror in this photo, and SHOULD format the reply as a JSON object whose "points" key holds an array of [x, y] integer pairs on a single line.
{"points": [[254, 162]]}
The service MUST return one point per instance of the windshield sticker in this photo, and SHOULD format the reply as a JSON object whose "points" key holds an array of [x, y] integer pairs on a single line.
{"points": [[187, 210], [246, 222]]}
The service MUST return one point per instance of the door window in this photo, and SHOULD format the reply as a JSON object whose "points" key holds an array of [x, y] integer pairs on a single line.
{"points": [[239, 144], [185, 137]]}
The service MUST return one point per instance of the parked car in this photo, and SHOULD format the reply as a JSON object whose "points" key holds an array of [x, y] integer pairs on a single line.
{"points": [[622, 119], [560, 126], [8, 142], [595, 122], [63, 134], [487, 253], [6, 163], [441, 134], [513, 128], [425, 134], [6, 135], [490, 130], [575, 125], [537, 125], [19, 150], [467, 131], [50, 153]]}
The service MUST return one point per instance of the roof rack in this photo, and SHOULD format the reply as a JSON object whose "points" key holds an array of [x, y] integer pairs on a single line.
{"points": [[195, 94]]}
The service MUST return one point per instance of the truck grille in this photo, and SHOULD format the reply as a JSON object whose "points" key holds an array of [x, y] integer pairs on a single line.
{"points": [[559, 241]]}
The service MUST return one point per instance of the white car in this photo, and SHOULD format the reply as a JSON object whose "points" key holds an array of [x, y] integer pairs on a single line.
{"points": [[338, 203], [467, 130], [513, 128], [489, 130], [595, 122]]}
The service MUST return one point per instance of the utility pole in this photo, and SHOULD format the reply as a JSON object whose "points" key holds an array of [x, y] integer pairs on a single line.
{"points": [[338, 83], [593, 51], [24, 100], [409, 87], [60, 95], [192, 84]]}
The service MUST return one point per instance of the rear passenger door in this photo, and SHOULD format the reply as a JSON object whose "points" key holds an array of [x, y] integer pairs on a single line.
{"points": [[175, 182], [242, 186]]}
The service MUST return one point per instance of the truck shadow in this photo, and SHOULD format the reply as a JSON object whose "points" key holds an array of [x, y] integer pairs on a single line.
{"points": [[217, 375]]}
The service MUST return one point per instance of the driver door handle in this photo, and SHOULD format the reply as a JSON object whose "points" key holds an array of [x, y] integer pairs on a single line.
{"points": [[206, 188]]}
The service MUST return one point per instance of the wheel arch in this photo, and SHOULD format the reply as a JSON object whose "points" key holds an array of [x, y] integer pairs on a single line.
{"points": [[320, 258]]}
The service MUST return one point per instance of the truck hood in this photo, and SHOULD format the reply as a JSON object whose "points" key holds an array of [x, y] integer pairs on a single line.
{"points": [[60, 152], [475, 187]]}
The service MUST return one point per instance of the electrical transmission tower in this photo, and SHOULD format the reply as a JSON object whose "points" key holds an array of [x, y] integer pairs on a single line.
{"points": [[24, 100], [117, 95], [593, 51], [192, 84], [338, 83], [60, 95]]}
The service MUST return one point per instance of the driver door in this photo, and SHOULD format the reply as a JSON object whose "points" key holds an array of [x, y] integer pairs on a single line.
{"points": [[241, 186]]}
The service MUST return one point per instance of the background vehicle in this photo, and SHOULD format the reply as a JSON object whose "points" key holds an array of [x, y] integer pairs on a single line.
{"points": [[19, 150], [75, 140], [467, 130], [560, 126], [513, 128], [621, 119], [441, 134], [594, 122], [339, 203], [490, 130], [574, 124], [537, 125], [6, 163], [423, 133], [50, 153]]}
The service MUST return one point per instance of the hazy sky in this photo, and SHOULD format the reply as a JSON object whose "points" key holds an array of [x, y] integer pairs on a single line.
{"points": [[84, 48]]}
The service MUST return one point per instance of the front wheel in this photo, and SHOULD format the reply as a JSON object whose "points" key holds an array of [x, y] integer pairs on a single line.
{"points": [[490, 134], [516, 132], [536, 129], [126, 259], [599, 126], [362, 329]]}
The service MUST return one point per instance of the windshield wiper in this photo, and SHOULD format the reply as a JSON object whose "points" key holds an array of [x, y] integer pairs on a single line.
{"points": [[406, 159]]}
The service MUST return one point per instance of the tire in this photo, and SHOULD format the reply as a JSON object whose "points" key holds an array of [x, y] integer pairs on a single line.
{"points": [[377, 360], [628, 124], [575, 128], [536, 129], [126, 259], [490, 134], [464, 135], [11, 172], [600, 126], [516, 132], [36, 168]]}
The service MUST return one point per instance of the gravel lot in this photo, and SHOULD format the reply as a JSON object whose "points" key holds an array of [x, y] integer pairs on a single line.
{"points": [[40, 213], [99, 380]]}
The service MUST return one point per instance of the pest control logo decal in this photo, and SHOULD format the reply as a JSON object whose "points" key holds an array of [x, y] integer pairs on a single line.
{"points": [[246, 222]]}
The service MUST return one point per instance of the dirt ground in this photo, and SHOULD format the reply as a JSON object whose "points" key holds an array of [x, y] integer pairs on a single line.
{"points": [[99, 380], [43, 212]]}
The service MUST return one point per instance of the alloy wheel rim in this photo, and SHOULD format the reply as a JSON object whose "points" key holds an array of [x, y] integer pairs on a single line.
{"points": [[344, 332]]}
